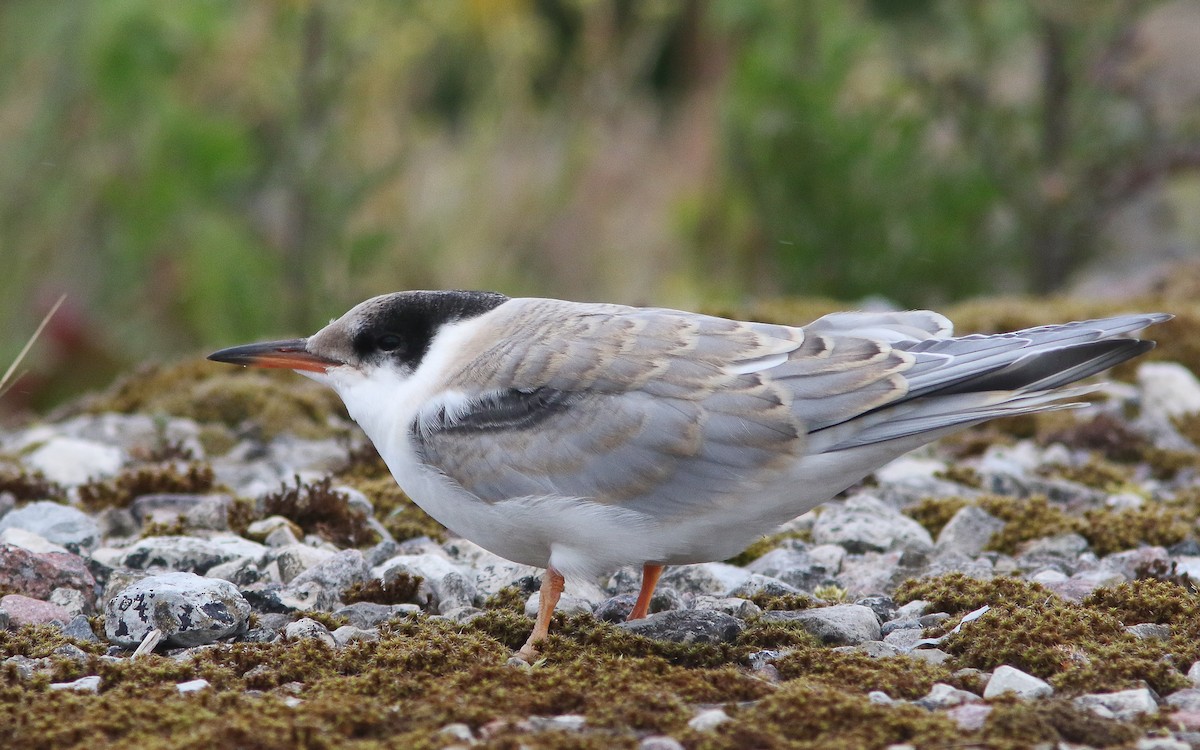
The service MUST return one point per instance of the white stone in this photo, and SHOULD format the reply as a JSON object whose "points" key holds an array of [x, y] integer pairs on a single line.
{"points": [[309, 628], [89, 684], [1194, 674], [968, 531], [27, 540], [70, 461], [1123, 705], [57, 523], [909, 467], [708, 720], [1168, 389], [1006, 679], [192, 686]]}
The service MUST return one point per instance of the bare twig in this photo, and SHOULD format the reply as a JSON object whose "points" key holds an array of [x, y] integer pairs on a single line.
{"points": [[4, 384]]}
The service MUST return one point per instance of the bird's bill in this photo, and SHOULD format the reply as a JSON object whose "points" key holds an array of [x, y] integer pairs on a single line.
{"points": [[288, 355]]}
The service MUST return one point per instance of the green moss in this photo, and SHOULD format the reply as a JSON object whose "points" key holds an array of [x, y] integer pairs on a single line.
{"points": [[1110, 531], [771, 602], [1077, 648], [1015, 725], [935, 512], [1026, 519], [274, 402], [898, 676], [328, 619], [960, 474], [806, 714], [28, 486], [130, 484]]}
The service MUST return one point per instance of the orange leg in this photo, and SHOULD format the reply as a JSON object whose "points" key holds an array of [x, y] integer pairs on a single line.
{"points": [[650, 574], [552, 588]]}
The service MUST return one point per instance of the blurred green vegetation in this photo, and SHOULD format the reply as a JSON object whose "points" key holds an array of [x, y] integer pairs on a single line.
{"points": [[209, 172]]}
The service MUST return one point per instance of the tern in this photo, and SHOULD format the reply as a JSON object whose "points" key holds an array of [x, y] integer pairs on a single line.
{"points": [[581, 437]]}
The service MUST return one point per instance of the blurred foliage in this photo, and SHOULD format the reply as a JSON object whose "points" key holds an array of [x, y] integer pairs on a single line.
{"points": [[204, 173]]}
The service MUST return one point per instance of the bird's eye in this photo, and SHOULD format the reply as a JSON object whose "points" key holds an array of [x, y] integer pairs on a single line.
{"points": [[389, 342]]}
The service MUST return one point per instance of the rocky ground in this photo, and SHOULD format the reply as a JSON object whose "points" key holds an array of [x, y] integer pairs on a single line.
{"points": [[205, 557]]}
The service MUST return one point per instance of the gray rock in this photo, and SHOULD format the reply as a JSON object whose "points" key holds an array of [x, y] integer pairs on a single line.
{"points": [[969, 531], [687, 626], [904, 639], [867, 524], [1185, 700], [309, 628], [1006, 679], [240, 572], [321, 586], [884, 607], [1149, 631], [1168, 390], [794, 567], [294, 559], [873, 649], [57, 523], [1123, 705], [1069, 546], [80, 629], [946, 696], [73, 601], [742, 609], [618, 608], [705, 578], [367, 615], [70, 461], [189, 610], [841, 624], [187, 553], [22, 610], [765, 585], [348, 634], [930, 655], [970, 717], [90, 684], [31, 542], [495, 575], [25, 667], [567, 604], [1193, 673], [197, 511]]}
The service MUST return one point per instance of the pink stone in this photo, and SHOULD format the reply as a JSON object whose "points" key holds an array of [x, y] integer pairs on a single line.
{"points": [[1189, 720], [969, 716], [23, 610], [37, 575]]}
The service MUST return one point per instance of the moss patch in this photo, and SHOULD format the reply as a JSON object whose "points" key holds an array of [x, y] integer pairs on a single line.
{"points": [[28, 487], [130, 484], [400, 590], [273, 402], [318, 509]]}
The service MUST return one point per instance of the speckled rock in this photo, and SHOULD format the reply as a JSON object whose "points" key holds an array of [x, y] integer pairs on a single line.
{"points": [[445, 586], [189, 610], [309, 628], [368, 615], [687, 626], [321, 586], [27, 540], [841, 624]]}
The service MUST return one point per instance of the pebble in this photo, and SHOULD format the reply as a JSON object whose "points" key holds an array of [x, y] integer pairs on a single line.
{"points": [[30, 542], [189, 610], [567, 604], [309, 628], [90, 684], [70, 461], [660, 742], [1006, 679], [968, 531], [57, 523], [841, 624], [942, 696], [708, 720], [368, 615], [188, 553], [348, 634], [687, 626], [866, 524], [321, 586], [37, 575], [1123, 705], [22, 610], [192, 686]]}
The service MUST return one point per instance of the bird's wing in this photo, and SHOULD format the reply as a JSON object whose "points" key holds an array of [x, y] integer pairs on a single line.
{"points": [[655, 410]]}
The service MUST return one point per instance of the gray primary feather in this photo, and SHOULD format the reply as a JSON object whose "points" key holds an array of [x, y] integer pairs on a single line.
{"points": [[668, 412]]}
